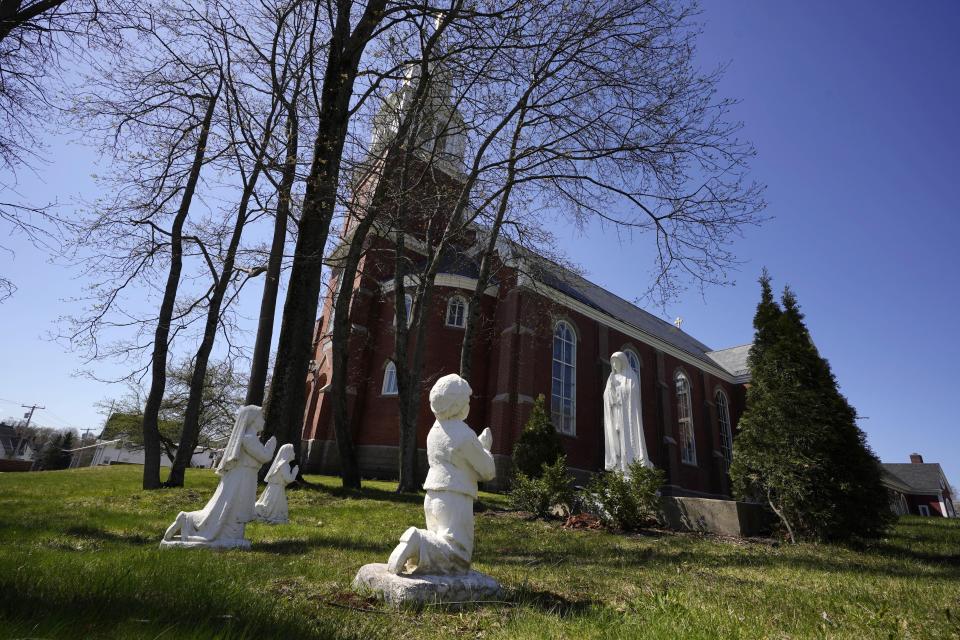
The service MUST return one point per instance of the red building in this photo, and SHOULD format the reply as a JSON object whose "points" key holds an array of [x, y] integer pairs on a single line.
{"points": [[549, 334], [543, 330], [918, 488]]}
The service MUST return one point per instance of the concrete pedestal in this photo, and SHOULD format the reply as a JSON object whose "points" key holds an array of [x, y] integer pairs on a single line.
{"points": [[418, 590]]}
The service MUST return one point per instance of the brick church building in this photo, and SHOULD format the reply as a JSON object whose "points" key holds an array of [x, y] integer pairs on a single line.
{"points": [[543, 330]]}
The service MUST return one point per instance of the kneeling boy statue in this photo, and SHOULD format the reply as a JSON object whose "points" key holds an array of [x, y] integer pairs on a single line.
{"points": [[458, 459], [433, 564]]}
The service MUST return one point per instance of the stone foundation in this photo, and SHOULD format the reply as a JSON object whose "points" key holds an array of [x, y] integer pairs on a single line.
{"points": [[726, 517]]}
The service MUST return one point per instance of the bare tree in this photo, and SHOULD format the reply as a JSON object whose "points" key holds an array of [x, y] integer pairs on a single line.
{"points": [[165, 100], [241, 67], [603, 112], [37, 38], [351, 28]]}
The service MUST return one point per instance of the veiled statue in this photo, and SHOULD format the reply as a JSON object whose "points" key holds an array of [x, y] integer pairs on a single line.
{"points": [[458, 460], [222, 522], [622, 417], [272, 505]]}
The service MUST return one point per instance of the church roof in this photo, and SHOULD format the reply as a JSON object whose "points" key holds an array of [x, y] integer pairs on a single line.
{"points": [[926, 477], [731, 360]]}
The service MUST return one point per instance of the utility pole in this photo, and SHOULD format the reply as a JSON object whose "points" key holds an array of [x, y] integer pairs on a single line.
{"points": [[29, 415]]}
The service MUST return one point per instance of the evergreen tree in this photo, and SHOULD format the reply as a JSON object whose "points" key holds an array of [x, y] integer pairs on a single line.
{"points": [[52, 456], [798, 447], [538, 444]]}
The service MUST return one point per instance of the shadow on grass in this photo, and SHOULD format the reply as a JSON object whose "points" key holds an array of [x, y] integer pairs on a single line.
{"points": [[301, 546], [98, 533], [367, 493], [550, 603]]}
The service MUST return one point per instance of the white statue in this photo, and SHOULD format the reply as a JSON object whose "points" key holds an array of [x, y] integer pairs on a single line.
{"points": [[622, 418], [223, 521], [272, 505], [458, 459]]}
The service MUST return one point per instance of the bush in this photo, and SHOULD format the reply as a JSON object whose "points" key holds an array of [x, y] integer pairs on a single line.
{"points": [[626, 503], [538, 444], [540, 495]]}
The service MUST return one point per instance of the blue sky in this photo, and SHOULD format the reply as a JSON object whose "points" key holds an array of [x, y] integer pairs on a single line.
{"points": [[853, 109]]}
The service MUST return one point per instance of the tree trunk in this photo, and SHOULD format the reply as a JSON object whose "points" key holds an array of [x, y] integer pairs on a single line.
{"points": [[349, 469], [782, 517], [191, 418], [287, 396], [268, 304], [158, 383]]}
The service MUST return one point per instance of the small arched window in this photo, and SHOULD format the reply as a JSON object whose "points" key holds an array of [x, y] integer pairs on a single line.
{"points": [[563, 391], [634, 361], [726, 432], [389, 379], [688, 446], [457, 312]]}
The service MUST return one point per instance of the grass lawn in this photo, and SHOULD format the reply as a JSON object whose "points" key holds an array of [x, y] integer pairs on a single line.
{"points": [[79, 558]]}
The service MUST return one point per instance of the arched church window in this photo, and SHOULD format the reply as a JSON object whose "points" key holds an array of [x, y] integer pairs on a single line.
{"points": [[634, 361], [389, 379], [688, 446], [726, 432], [563, 393], [457, 312]]}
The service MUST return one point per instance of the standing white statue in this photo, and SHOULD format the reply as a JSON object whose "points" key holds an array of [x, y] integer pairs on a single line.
{"points": [[458, 459], [222, 523], [622, 418], [272, 505]]}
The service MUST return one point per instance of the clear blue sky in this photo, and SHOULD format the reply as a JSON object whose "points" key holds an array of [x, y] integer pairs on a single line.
{"points": [[853, 107]]}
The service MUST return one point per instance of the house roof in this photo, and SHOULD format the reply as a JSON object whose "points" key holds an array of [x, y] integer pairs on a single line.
{"points": [[925, 477]]}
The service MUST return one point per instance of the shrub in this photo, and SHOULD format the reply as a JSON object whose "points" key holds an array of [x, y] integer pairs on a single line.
{"points": [[623, 502], [540, 495], [538, 444]]}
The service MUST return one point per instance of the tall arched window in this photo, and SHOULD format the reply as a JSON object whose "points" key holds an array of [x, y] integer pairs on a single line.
{"points": [[389, 379], [457, 312], [726, 432], [563, 393], [688, 446], [634, 360]]}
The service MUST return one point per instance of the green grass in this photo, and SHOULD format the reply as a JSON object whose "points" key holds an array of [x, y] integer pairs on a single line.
{"points": [[79, 558]]}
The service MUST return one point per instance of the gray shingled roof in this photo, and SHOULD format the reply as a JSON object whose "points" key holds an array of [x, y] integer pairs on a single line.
{"points": [[598, 298], [921, 478], [733, 359]]}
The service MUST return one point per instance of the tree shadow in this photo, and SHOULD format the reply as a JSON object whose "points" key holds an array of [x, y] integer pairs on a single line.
{"points": [[98, 533], [549, 602], [368, 493]]}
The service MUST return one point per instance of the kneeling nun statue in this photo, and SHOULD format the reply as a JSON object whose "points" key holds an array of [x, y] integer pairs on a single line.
{"points": [[222, 522], [433, 564], [272, 505]]}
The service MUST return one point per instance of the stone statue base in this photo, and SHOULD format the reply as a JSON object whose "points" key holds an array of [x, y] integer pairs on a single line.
{"points": [[415, 589], [204, 544]]}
